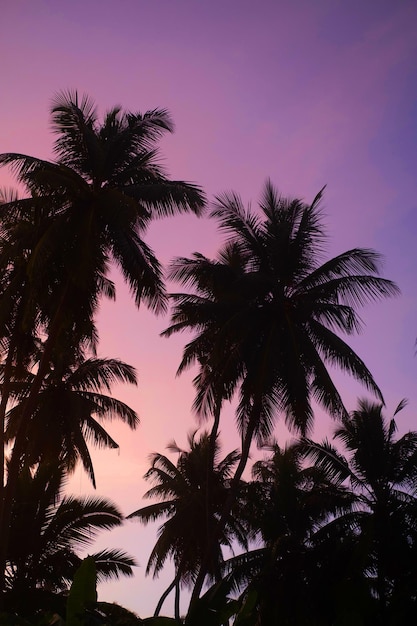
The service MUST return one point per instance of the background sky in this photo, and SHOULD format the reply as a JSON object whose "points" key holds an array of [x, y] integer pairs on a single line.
{"points": [[306, 93]]}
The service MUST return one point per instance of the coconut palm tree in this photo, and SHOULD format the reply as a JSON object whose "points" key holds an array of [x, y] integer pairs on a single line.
{"points": [[103, 190], [48, 532], [285, 578], [101, 193], [381, 471], [21, 322], [266, 315], [70, 408], [191, 517]]}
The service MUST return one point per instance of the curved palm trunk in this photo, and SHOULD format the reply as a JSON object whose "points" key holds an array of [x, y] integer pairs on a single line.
{"points": [[233, 492], [215, 430], [166, 594], [210, 539]]}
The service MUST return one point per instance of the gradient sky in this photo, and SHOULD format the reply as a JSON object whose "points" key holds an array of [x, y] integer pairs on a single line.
{"points": [[306, 93]]}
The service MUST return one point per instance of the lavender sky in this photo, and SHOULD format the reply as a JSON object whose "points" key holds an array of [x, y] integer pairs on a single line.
{"points": [[308, 93]]}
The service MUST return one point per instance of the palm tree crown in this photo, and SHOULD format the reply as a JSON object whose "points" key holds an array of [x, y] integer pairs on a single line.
{"points": [[191, 517], [70, 408], [289, 504], [381, 471], [48, 531], [266, 313], [105, 187], [266, 316]]}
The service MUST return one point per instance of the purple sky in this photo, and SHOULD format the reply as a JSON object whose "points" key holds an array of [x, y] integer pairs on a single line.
{"points": [[306, 93]]}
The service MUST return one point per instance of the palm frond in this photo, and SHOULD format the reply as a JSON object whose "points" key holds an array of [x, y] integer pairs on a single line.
{"points": [[111, 564], [153, 512], [140, 269], [327, 458], [107, 407], [96, 374], [78, 521], [162, 197], [337, 352]]}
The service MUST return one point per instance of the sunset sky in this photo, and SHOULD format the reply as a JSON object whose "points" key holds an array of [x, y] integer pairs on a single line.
{"points": [[308, 93]]}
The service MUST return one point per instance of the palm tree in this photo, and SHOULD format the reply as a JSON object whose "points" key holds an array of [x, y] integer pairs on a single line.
{"points": [[191, 516], [285, 578], [101, 193], [103, 190], [48, 530], [266, 316], [70, 407], [381, 471]]}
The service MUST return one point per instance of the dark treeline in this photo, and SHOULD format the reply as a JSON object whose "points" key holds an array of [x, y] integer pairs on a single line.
{"points": [[323, 533]]}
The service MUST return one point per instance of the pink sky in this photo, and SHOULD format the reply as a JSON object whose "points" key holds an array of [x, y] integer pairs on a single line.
{"points": [[306, 93]]}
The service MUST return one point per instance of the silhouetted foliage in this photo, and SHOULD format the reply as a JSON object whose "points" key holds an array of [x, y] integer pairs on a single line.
{"points": [[48, 532]]}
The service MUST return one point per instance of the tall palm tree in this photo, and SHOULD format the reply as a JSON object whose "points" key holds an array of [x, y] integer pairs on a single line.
{"points": [[191, 517], [48, 531], [22, 322], [102, 191], [381, 471], [266, 316]]}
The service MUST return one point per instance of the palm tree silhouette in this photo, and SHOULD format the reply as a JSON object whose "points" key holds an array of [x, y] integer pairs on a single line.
{"points": [[191, 519], [381, 471], [48, 530], [266, 316], [288, 503], [70, 408], [20, 311], [101, 193]]}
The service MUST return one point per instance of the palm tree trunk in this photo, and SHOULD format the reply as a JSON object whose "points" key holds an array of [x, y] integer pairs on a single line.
{"points": [[209, 471], [19, 444], [231, 499], [5, 388], [165, 595], [381, 542], [5, 393], [177, 600], [3, 407], [215, 430]]}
